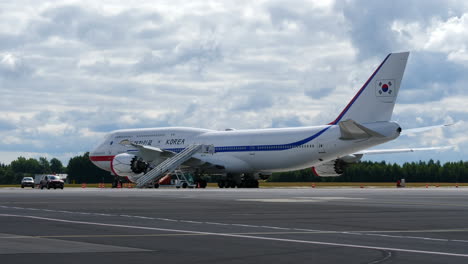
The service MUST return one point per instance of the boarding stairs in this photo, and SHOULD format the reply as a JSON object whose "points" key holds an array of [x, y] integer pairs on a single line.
{"points": [[171, 164]]}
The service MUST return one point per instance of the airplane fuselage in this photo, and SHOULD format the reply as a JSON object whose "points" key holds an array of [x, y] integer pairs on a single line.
{"points": [[248, 151]]}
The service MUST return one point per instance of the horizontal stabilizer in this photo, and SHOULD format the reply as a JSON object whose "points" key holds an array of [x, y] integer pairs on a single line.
{"points": [[351, 130], [389, 151]]}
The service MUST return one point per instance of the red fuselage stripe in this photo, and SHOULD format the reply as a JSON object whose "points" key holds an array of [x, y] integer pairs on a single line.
{"points": [[101, 158]]}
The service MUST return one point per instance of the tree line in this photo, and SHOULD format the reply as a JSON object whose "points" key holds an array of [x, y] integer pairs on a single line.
{"points": [[368, 171], [80, 169]]}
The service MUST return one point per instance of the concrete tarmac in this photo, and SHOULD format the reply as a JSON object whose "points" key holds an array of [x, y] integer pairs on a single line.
{"points": [[281, 225]]}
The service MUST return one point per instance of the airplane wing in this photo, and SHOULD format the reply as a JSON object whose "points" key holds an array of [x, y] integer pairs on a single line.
{"points": [[421, 129], [403, 150], [150, 153], [389, 151], [127, 142]]}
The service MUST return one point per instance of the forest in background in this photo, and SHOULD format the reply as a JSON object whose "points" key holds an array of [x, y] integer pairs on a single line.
{"points": [[80, 169]]}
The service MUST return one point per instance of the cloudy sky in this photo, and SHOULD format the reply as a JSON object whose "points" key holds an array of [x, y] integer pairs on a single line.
{"points": [[70, 71]]}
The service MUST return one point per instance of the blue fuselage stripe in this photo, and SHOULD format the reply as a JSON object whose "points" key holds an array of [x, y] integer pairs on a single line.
{"points": [[262, 147]]}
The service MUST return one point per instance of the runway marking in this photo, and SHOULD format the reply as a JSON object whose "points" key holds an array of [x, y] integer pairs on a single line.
{"points": [[367, 233], [310, 230], [167, 219], [330, 198], [301, 199], [143, 217], [100, 214], [274, 227], [153, 235], [190, 222], [97, 236], [405, 203], [242, 225], [280, 200], [213, 223], [245, 236]]}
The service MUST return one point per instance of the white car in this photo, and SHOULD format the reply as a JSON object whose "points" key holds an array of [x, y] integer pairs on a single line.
{"points": [[27, 181]]}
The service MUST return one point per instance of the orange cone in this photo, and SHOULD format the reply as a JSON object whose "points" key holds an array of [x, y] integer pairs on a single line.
{"points": [[427, 185], [313, 185], [83, 185], [456, 186]]}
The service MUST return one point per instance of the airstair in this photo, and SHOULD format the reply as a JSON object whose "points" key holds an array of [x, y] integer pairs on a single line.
{"points": [[171, 164]]}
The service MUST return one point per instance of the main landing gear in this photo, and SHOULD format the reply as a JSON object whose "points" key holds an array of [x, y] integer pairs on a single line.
{"points": [[116, 182], [239, 181]]}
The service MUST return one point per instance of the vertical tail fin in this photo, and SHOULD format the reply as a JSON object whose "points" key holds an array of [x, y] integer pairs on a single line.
{"points": [[375, 100]]}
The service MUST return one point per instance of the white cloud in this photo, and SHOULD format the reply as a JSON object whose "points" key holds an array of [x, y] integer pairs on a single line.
{"points": [[72, 70], [448, 36]]}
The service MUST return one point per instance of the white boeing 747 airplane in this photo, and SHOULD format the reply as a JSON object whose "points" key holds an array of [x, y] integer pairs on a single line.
{"points": [[244, 156]]}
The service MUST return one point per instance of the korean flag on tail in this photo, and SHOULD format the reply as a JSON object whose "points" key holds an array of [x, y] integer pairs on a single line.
{"points": [[385, 89]]}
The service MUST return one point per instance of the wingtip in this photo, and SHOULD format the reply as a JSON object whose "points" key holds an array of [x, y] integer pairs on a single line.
{"points": [[402, 53]]}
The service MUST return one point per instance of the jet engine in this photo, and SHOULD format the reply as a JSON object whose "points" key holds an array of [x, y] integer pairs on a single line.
{"points": [[335, 168], [128, 165]]}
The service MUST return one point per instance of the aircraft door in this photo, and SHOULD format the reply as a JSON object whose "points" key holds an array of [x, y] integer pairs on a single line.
{"points": [[321, 148]]}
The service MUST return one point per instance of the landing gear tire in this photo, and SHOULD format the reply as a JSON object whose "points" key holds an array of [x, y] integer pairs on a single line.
{"points": [[256, 184], [221, 183], [250, 184], [156, 185], [203, 184], [184, 185], [116, 182]]}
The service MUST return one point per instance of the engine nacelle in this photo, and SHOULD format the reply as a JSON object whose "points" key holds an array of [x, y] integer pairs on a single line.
{"points": [[263, 175], [333, 168], [128, 165]]}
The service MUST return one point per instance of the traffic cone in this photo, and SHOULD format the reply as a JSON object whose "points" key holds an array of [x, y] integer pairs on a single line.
{"points": [[83, 185], [313, 185], [362, 186], [119, 185], [427, 185], [456, 185]]}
